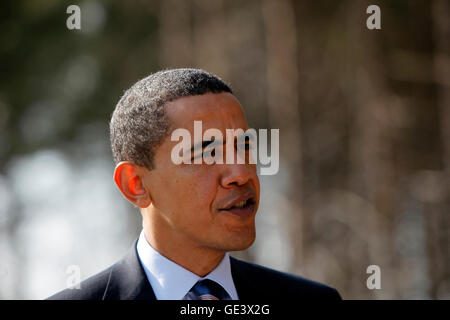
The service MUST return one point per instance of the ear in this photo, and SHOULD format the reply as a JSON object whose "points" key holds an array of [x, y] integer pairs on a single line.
{"points": [[128, 178]]}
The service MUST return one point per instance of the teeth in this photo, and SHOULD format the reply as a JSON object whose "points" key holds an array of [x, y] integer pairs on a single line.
{"points": [[240, 204]]}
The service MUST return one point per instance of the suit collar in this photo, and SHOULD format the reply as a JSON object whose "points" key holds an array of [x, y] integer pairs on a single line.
{"points": [[242, 279], [127, 280]]}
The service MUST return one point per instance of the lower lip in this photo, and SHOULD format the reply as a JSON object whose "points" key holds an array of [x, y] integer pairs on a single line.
{"points": [[241, 212]]}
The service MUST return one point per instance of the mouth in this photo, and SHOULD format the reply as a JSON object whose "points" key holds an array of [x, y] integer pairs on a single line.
{"points": [[242, 206]]}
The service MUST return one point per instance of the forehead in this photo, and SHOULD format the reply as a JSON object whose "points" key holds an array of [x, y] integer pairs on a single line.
{"points": [[215, 110]]}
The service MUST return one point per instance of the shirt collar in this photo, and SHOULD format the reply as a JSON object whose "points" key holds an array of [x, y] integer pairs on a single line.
{"points": [[170, 281]]}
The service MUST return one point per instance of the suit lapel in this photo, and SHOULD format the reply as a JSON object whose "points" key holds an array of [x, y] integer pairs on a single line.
{"points": [[241, 280], [127, 280]]}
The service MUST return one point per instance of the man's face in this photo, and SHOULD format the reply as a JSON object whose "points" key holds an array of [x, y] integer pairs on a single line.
{"points": [[199, 203]]}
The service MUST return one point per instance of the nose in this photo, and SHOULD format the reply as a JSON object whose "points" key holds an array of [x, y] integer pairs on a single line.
{"points": [[236, 175]]}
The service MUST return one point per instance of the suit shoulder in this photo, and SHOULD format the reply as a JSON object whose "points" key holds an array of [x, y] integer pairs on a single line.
{"points": [[289, 284], [92, 288]]}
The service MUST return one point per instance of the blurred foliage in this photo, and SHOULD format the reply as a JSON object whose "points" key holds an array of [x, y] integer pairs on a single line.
{"points": [[363, 114]]}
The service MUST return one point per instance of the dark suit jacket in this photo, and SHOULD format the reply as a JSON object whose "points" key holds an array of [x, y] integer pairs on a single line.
{"points": [[126, 280]]}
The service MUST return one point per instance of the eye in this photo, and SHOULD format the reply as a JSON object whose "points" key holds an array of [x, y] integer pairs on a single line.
{"points": [[209, 151], [199, 155]]}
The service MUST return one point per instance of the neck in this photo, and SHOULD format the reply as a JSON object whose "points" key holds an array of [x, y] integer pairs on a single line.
{"points": [[198, 260]]}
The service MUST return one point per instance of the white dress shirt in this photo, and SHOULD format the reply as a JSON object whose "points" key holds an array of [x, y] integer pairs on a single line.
{"points": [[171, 281]]}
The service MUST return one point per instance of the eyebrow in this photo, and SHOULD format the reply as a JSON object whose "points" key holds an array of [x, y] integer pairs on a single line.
{"points": [[202, 144], [205, 143]]}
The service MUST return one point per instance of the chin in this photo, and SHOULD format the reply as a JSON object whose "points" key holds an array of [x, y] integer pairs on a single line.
{"points": [[241, 242]]}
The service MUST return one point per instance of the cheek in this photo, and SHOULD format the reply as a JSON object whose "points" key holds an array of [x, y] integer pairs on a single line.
{"points": [[193, 189], [203, 189]]}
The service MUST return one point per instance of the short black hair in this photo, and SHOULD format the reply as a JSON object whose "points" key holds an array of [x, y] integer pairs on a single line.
{"points": [[139, 125]]}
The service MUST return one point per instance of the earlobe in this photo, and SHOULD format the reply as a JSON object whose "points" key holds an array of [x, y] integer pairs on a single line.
{"points": [[129, 181]]}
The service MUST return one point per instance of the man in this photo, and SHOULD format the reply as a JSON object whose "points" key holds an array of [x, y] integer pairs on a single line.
{"points": [[192, 214]]}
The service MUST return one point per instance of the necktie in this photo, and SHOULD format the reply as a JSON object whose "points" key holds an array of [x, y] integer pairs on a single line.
{"points": [[208, 290]]}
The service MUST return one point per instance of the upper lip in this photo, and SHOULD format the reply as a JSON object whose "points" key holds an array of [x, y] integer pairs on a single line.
{"points": [[243, 197]]}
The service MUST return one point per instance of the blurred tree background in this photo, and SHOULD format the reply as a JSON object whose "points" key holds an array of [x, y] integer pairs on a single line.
{"points": [[364, 125]]}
